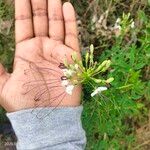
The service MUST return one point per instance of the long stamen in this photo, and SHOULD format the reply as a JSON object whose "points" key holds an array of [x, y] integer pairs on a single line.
{"points": [[39, 95], [52, 98], [43, 116]]}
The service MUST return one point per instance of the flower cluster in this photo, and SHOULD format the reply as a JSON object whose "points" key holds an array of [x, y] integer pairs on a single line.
{"points": [[89, 73], [123, 24]]}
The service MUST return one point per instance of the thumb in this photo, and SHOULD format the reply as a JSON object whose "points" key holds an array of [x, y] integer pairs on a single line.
{"points": [[4, 76]]}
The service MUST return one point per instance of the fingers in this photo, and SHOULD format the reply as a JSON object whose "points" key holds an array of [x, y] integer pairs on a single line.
{"points": [[3, 77], [71, 34], [56, 24], [23, 24], [40, 17]]}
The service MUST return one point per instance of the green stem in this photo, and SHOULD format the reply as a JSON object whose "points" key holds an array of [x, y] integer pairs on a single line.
{"points": [[126, 86]]}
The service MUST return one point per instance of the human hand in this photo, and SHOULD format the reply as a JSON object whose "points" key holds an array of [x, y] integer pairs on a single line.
{"points": [[46, 33]]}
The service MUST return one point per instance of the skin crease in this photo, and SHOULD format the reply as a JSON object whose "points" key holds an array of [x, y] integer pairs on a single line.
{"points": [[46, 33]]}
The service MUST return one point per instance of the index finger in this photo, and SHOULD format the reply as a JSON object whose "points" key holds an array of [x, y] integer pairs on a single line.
{"points": [[23, 24]]}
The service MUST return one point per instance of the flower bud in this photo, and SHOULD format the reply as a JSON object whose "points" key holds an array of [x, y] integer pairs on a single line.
{"points": [[97, 80], [92, 48], [109, 80], [107, 65], [103, 64], [87, 58]]}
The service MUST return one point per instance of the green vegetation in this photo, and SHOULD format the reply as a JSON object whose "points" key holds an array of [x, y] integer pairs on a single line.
{"points": [[112, 121], [6, 40]]}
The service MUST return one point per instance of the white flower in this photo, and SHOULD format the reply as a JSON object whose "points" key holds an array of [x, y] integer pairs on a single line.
{"points": [[98, 90], [117, 30], [133, 25], [65, 71], [117, 24], [64, 82], [117, 27], [69, 89], [68, 72]]}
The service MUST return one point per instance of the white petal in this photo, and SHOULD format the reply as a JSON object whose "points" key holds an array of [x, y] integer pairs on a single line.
{"points": [[65, 71], [68, 73], [94, 93], [98, 90], [64, 82], [69, 89], [117, 27]]}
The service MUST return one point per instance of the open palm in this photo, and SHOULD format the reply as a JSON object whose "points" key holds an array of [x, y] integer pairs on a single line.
{"points": [[46, 33]]}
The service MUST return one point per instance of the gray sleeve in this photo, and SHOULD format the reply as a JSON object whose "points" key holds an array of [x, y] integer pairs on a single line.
{"points": [[60, 130]]}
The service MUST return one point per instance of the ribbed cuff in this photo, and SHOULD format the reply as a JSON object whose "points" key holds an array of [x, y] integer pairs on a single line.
{"points": [[63, 124]]}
